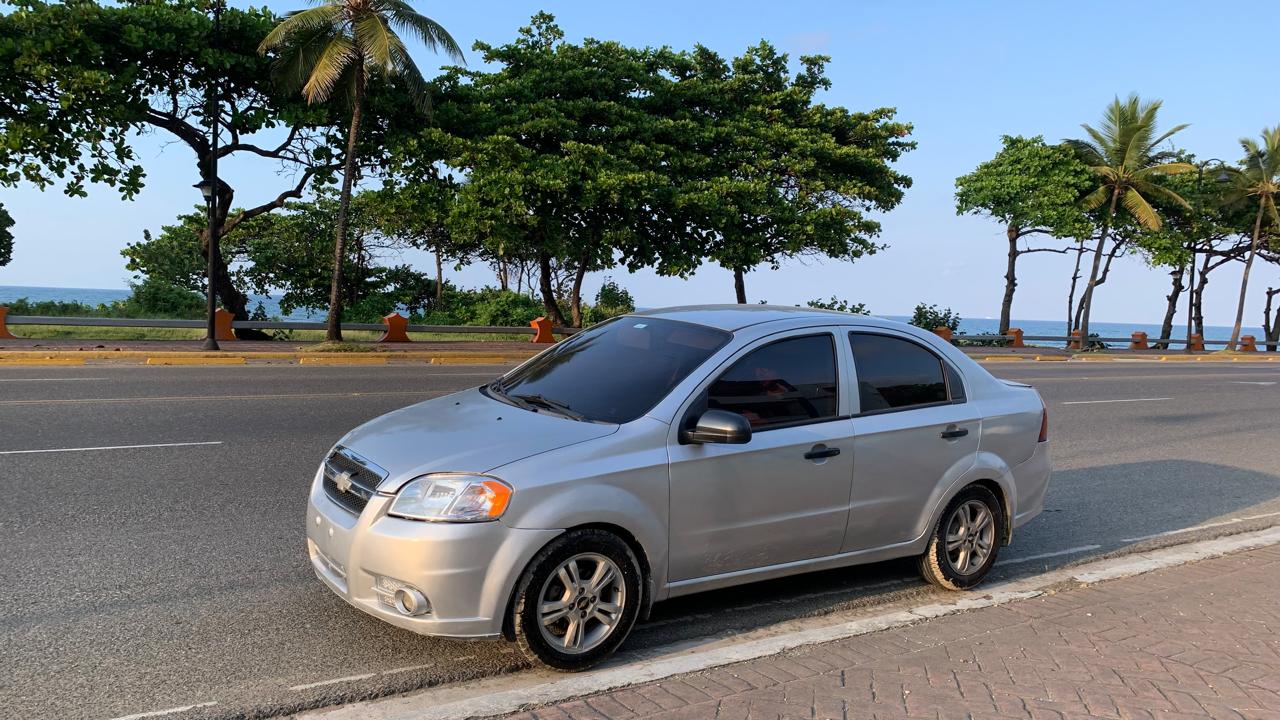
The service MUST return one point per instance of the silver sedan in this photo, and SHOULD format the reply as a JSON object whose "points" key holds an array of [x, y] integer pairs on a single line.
{"points": [[669, 452]]}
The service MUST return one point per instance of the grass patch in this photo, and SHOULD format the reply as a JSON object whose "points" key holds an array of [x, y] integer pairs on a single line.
{"points": [[70, 332], [340, 347]]}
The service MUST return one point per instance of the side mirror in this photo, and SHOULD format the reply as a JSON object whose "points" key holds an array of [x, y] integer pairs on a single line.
{"points": [[719, 426]]}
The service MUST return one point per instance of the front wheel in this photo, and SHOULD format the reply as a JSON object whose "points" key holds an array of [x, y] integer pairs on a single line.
{"points": [[578, 600], [966, 540]]}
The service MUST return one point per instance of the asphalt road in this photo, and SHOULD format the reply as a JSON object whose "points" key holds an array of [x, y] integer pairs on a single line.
{"points": [[145, 579]]}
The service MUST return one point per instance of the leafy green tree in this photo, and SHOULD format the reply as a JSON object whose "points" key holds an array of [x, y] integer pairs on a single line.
{"points": [[560, 155], [83, 80], [1124, 156], [1033, 189], [768, 173], [6, 237], [333, 48], [415, 213], [1258, 181]]}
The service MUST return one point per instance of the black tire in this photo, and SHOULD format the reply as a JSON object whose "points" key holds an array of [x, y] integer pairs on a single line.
{"points": [[538, 581], [938, 566]]}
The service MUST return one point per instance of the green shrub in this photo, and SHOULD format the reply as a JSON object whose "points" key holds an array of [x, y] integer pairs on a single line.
{"points": [[839, 305], [156, 298], [929, 317]]}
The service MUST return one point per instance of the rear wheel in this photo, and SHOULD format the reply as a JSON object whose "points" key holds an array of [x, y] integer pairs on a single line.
{"points": [[966, 540], [578, 600]]}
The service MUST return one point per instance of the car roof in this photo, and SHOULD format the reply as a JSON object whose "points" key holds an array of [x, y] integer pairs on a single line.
{"points": [[736, 317]]}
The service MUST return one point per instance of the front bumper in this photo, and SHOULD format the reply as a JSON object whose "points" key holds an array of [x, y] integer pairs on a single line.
{"points": [[466, 570]]}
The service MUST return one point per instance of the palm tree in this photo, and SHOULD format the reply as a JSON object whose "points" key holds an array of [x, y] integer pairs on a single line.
{"points": [[1123, 157], [334, 48], [1260, 178]]}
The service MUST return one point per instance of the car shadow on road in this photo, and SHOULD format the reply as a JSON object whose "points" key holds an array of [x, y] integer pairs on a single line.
{"points": [[1090, 512]]}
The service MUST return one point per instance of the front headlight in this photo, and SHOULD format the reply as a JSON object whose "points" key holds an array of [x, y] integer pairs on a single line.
{"points": [[452, 497]]}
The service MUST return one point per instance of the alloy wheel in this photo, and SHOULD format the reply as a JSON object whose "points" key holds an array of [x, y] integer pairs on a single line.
{"points": [[581, 603]]}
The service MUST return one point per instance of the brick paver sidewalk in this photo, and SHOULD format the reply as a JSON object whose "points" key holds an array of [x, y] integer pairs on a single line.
{"points": [[1200, 640]]}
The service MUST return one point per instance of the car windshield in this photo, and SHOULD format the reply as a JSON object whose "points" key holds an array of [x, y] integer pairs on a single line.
{"points": [[614, 372]]}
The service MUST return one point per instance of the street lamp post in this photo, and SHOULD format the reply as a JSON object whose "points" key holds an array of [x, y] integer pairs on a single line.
{"points": [[1195, 227], [210, 187]]}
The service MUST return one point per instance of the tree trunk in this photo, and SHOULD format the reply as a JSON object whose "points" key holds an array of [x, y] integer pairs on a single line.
{"points": [[578, 275], [439, 278], [333, 325], [1010, 279], [1197, 302], [549, 303], [1270, 322], [1087, 302], [1244, 281], [740, 286], [1071, 294], [1171, 310]]}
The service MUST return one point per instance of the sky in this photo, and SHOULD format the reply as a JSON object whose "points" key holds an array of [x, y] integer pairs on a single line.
{"points": [[962, 73]]}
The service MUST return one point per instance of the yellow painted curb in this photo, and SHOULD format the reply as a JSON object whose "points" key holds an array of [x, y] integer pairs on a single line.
{"points": [[352, 359], [82, 355], [237, 360], [1096, 358], [1052, 358], [1005, 358], [468, 360], [41, 361]]}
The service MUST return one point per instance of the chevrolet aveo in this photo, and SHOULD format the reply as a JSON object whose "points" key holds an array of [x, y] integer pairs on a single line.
{"points": [[669, 452]]}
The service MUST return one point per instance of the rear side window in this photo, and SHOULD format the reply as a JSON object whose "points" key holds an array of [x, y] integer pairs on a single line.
{"points": [[787, 382], [894, 374]]}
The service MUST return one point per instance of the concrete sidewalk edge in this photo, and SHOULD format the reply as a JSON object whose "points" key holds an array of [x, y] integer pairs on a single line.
{"points": [[497, 696]]}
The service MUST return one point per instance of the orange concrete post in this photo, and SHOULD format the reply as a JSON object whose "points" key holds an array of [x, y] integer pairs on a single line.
{"points": [[222, 325], [397, 325], [943, 332], [1074, 343], [1017, 338], [1248, 343], [1139, 341], [4, 329], [543, 326], [1197, 342]]}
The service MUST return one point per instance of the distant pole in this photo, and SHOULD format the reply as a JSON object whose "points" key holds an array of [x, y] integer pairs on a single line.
{"points": [[211, 196]]}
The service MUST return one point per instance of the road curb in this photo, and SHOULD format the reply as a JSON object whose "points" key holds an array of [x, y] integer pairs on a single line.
{"points": [[4, 361], [512, 693], [79, 357], [343, 360], [233, 360]]}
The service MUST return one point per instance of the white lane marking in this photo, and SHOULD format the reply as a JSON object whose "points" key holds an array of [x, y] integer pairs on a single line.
{"points": [[1206, 526], [1042, 556], [170, 711], [1095, 402], [66, 379], [351, 678], [1254, 382], [179, 398], [411, 668], [109, 447]]}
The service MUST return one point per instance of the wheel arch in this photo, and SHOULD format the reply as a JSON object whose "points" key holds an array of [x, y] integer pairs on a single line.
{"points": [[627, 537]]}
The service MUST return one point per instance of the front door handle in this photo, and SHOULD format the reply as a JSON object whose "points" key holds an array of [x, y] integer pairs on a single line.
{"points": [[953, 433], [818, 452]]}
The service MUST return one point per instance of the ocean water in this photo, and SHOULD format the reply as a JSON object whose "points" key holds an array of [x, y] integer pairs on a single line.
{"points": [[98, 296], [972, 326]]}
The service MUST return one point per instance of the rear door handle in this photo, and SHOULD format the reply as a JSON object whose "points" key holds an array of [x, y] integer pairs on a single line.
{"points": [[953, 433], [819, 452]]}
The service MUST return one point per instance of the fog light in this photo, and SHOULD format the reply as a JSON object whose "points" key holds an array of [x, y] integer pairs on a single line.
{"points": [[411, 602], [400, 596]]}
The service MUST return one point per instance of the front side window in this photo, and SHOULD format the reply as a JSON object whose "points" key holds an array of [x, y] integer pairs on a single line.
{"points": [[787, 382], [613, 372], [894, 373]]}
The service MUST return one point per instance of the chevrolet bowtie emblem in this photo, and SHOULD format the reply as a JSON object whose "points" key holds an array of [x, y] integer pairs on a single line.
{"points": [[343, 482]]}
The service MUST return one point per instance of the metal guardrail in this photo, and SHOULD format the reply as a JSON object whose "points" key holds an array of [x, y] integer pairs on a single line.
{"points": [[270, 325]]}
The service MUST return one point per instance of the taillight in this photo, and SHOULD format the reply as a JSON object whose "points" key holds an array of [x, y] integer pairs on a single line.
{"points": [[1044, 425]]}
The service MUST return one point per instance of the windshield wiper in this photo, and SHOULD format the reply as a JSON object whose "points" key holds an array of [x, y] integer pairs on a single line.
{"points": [[552, 405]]}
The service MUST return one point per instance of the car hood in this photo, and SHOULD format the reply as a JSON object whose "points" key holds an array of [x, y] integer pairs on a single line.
{"points": [[463, 432]]}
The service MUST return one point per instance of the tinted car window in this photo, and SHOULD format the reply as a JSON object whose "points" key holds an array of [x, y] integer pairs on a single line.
{"points": [[614, 372], [788, 381], [895, 373]]}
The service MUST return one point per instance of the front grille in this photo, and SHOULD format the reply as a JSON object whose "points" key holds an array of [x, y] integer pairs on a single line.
{"points": [[350, 480]]}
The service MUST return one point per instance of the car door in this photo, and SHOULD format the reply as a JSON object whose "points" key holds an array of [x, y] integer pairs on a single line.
{"points": [[914, 432], [784, 495]]}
